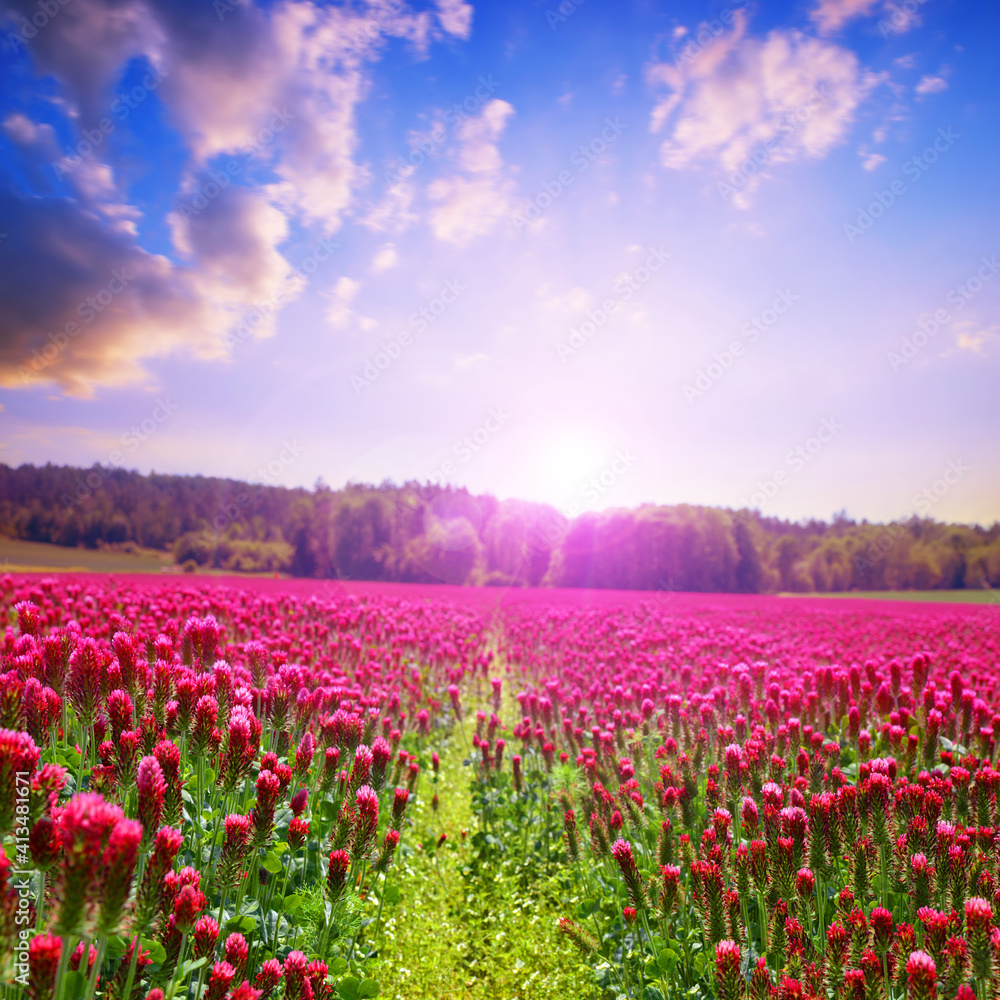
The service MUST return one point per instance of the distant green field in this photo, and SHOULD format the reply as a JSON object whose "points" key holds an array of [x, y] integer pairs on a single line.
{"points": [[40, 557], [17, 556], [946, 596]]}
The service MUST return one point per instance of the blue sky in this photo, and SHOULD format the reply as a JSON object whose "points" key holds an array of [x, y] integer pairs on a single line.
{"points": [[731, 254]]}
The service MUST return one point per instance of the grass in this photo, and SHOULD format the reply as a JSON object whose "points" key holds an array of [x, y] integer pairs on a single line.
{"points": [[459, 931], [17, 556], [939, 596]]}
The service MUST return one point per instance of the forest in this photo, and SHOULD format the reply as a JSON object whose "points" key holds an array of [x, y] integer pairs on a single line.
{"points": [[418, 533]]}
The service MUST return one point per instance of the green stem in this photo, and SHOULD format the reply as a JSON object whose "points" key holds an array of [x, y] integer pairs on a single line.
{"points": [[40, 915], [68, 944], [98, 962], [83, 758], [136, 946]]}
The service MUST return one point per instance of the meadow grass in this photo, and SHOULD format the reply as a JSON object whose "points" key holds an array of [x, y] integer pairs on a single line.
{"points": [[462, 929], [940, 596]]}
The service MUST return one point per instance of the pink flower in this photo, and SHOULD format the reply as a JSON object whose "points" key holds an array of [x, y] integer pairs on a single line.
{"points": [[236, 951], [296, 966], [85, 826], [805, 882], [151, 787], [367, 821], [400, 798], [84, 682], [205, 934], [118, 868], [389, 844], [921, 973], [18, 754], [298, 831], [235, 846], [44, 952], [246, 992], [268, 978], [336, 878], [189, 903], [219, 981]]}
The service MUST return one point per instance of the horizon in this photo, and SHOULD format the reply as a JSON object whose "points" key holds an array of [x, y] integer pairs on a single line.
{"points": [[707, 254], [837, 516]]}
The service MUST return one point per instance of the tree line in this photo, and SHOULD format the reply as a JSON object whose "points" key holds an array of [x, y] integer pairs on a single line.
{"points": [[419, 533]]}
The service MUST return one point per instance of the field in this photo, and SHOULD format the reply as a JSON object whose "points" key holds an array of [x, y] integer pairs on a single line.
{"points": [[948, 596], [218, 788], [18, 556]]}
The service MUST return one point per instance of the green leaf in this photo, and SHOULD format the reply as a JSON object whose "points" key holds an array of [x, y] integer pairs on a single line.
{"points": [[652, 993], [75, 984], [348, 988], [368, 988], [272, 863], [391, 894], [337, 966], [666, 959], [157, 953], [248, 923], [188, 967], [116, 947], [292, 902]]}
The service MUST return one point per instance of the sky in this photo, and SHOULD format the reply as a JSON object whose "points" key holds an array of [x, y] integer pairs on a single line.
{"points": [[593, 254]]}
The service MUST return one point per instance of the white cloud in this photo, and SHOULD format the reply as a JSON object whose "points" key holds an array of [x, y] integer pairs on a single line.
{"points": [[455, 17], [871, 161], [471, 360], [970, 336], [339, 313], [385, 258], [275, 88], [470, 202], [931, 85], [739, 100], [394, 213], [830, 16]]}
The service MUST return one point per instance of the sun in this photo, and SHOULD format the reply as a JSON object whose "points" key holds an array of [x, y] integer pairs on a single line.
{"points": [[564, 459]]}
